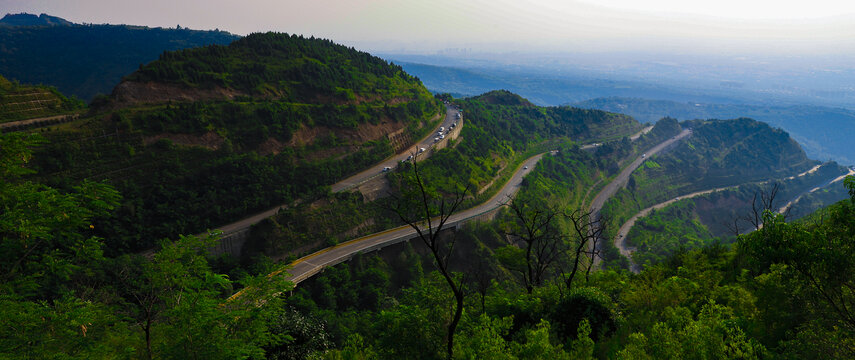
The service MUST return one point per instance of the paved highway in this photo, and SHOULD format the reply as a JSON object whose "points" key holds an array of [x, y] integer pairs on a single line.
{"points": [[631, 138], [310, 265], [245, 223], [620, 238], [642, 132], [307, 266], [376, 170], [622, 178], [799, 197]]}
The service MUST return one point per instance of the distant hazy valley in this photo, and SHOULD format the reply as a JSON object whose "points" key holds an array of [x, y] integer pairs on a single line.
{"points": [[820, 120]]}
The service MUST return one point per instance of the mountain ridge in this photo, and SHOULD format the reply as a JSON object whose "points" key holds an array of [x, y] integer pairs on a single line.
{"points": [[822, 131], [26, 19], [84, 60]]}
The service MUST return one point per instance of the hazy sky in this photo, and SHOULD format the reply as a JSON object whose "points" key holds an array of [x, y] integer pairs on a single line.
{"points": [[777, 26]]}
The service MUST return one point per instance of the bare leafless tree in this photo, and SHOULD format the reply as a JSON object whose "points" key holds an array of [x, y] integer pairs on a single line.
{"points": [[763, 200], [594, 249], [587, 230], [427, 213], [535, 226], [733, 225]]}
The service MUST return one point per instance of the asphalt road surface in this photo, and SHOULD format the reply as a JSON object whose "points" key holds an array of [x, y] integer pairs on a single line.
{"points": [[622, 178], [450, 117], [377, 169], [625, 250], [642, 132], [826, 184], [309, 265], [631, 138], [620, 239]]}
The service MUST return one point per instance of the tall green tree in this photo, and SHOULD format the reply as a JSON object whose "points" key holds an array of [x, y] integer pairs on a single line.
{"points": [[49, 261], [47, 241]]}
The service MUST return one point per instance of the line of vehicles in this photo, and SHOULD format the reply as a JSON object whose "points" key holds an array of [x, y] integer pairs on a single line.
{"points": [[443, 131], [440, 135]]}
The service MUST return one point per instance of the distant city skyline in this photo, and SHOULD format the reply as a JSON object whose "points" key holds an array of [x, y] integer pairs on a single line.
{"points": [[760, 26]]}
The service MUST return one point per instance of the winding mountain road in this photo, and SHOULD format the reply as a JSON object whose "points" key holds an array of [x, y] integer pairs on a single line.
{"points": [[350, 182], [625, 250], [633, 137], [307, 266], [377, 170], [620, 238], [620, 181], [814, 189]]}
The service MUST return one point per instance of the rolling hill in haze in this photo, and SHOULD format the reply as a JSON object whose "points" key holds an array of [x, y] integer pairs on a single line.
{"points": [[825, 133], [85, 60], [548, 88], [25, 19], [822, 130]]}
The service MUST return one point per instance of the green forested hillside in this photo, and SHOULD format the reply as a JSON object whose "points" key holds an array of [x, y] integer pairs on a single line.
{"points": [[205, 136], [85, 60], [500, 130], [286, 67], [185, 165], [719, 153], [61, 297], [699, 221], [271, 86]]}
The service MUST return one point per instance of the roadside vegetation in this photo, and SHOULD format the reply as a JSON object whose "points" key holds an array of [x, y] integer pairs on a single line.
{"points": [[501, 129], [755, 298]]}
